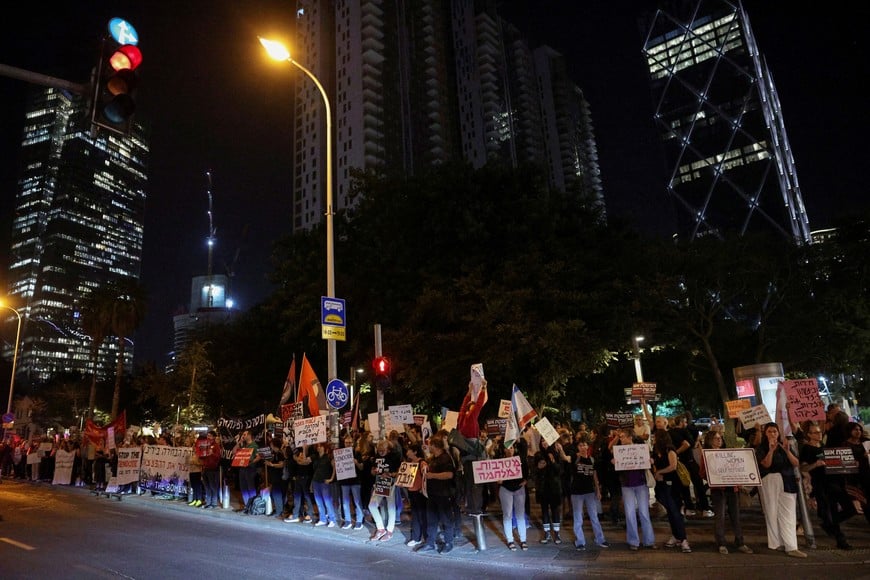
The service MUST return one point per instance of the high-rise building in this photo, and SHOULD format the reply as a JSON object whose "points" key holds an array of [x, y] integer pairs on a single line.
{"points": [[78, 225], [730, 167], [210, 304], [417, 84]]}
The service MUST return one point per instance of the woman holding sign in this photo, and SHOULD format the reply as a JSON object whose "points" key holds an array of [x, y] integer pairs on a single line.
{"points": [[635, 499], [722, 497], [669, 489], [778, 491]]}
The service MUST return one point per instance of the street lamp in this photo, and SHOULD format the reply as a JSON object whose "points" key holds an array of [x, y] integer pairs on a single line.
{"points": [[279, 52], [14, 356], [636, 340]]}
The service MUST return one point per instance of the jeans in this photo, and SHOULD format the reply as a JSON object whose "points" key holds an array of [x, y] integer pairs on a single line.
{"points": [[210, 478], [513, 504], [348, 492], [665, 495], [323, 498], [588, 500], [635, 501], [439, 510], [726, 497], [375, 509], [418, 514], [300, 492], [247, 483]]}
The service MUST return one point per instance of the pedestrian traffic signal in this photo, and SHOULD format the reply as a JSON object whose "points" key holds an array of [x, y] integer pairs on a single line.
{"points": [[381, 366], [115, 81]]}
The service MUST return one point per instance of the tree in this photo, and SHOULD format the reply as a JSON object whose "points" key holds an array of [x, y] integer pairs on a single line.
{"points": [[96, 321], [195, 369], [127, 312]]}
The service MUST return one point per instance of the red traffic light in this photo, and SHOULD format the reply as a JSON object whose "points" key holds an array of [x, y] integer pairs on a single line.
{"points": [[381, 365], [126, 57]]}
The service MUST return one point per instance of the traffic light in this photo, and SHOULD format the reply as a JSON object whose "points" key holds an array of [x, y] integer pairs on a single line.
{"points": [[116, 78], [381, 366]]}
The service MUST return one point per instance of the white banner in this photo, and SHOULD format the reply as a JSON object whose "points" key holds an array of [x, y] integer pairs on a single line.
{"points": [[63, 466], [309, 431], [165, 469], [344, 465], [490, 470], [727, 467], [631, 457], [129, 463]]}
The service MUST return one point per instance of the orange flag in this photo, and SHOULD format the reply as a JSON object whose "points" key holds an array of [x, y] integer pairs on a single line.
{"points": [[309, 388]]}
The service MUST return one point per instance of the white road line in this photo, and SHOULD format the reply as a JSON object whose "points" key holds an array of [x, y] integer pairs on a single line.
{"points": [[17, 544], [117, 513]]}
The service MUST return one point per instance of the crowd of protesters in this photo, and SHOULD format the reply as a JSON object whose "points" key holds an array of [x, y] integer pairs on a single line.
{"points": [[572, 476]]}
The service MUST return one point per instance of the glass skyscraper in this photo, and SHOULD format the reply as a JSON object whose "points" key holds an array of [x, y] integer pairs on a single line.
{"points": [[78, 225], [730, 167]]}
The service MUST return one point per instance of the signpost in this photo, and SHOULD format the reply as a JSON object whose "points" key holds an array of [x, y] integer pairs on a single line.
{"points": [[333, 319], [336, 394]]}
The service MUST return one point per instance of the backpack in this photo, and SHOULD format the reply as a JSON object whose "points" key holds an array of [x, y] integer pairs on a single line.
{"points": [[256, 506]]}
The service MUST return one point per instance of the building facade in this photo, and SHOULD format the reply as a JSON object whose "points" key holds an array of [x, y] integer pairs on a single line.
{"points": [[415, 84], [730, 167], [78, 226]]}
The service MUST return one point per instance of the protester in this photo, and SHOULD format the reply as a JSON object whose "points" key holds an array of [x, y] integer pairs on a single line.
{"points": [[414, 455], [512, 497], [303, 469], [248, 473], [723, 497], [195, 471], [833, 504], [441, 488], [322, 476], [548, 490], [608, 479], [683, 440], [635, 499], [386, 465], [668, 488], [585, 490], [778, 491], [861, 480], [468, 425], [275, 475], [351, 489], [209, 453]]}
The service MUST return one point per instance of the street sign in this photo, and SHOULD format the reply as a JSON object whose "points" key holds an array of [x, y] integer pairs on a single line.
{"points": [[8, 420], [333, 320], [336, 394]]}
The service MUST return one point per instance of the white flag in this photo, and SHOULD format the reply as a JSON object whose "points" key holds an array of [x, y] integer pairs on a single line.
{"points": [[522, 408]]}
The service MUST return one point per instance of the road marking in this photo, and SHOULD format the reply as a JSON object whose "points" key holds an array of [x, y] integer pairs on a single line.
{"points": [[117, 513], [17, 544]]}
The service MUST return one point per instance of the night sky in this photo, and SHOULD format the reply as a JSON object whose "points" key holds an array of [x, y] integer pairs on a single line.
{"points": [[214, 102]]}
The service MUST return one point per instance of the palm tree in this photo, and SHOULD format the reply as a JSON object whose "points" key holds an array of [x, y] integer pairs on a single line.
{"points": [[96, 323], [127, 313]]}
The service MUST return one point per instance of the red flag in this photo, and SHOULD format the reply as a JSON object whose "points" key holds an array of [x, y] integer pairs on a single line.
{"points": [[289, 384], [98, 434], [354, 417], [309, 388]]}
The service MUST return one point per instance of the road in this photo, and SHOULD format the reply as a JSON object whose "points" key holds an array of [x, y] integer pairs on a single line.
{"points": [[60, 532]]}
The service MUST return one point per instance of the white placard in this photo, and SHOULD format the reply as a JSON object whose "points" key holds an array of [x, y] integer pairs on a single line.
{"points": [[728, 467], [753, 416], [635, 456], [547, 431], [344, 465], [490, 470], [309, 431], [451, 420], [401, 415], [504, 409]]}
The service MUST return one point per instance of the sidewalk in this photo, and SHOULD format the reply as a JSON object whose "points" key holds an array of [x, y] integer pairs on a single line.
{"points": [[618, 560]]}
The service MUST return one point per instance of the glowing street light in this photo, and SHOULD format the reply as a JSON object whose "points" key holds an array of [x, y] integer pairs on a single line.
{"points": [[14, 356], [278, 51], [636, 340]]}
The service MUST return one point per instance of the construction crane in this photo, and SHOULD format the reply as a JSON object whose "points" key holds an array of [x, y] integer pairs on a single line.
{"points": [[210, 240]]}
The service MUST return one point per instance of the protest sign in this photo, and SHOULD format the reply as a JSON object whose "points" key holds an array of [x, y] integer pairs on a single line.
{"points": [[734, 407], [420, 419], [635, 456], [129, 462], [309, 431], [645, 390], [476, 380], [490, 470], [344, 465], [840, 461], [230, 431], [804, 402], [407, 473], [242, 457], [165, 469], [619, 419], [401, 414], [504, 409], [754, 416], [382, 485], [495, 427], [729, 467], [450, 420], [547, 431], [63, 466]]}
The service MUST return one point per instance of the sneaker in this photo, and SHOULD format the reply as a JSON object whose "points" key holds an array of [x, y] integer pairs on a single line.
{"points": [[795, 554], [358, 527], [347, 526], [320, 523], [651, 546], [723, 550], [386, 537], [745, 549], [191, 503], [690, 513], [580, 547], [708, 513], [512, 547], [632, 548], [332, 525], [545, 539], [426, 548], [447, 548], [413, 543], [291, 520], [307, 518], [685, 547], [378, 534], [672, 543], [524, 546], [603, 544], [556, 538]]}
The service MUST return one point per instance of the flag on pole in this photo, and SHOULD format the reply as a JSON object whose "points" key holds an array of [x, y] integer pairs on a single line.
{"points": [[310, 389], [512, 431], [523, 410], [290, 383], [354, 417]]}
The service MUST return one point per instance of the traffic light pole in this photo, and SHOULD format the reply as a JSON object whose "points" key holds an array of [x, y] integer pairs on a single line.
{"points": [[41, 79], [380, 392]]}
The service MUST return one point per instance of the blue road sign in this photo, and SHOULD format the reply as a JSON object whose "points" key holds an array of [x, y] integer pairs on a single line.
{"points": [[336, 394]]}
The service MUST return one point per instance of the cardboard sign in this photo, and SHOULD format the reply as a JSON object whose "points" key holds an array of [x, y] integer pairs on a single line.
{"points": [[383, 485], [645, 390], [730, 467], [242, 458], [401, 415], [804, 401], [309, 431], [407, 473], [495, 427], [490, 470], [547, 431], [504, 409], [129, 461], [344, 465], [635, 456], [840, 461], [734, 407], [754, 416], [619, 419], [450, 420]]}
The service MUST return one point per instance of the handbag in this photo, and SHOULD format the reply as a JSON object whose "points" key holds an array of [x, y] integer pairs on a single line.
{"points": [[650, 478], [683, 474]]}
